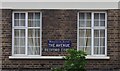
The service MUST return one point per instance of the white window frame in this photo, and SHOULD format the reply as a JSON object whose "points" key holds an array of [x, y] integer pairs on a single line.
{"points": [[92, 29], [26, 30]]}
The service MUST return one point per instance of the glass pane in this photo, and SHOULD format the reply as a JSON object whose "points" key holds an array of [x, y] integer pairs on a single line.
{"points": [[30, 23], [88, 42], [30, 50], [37, 51], [88, 50], [88, 33], [16, 50], [33, 50], [16, 22], [102, 23], [82, 41], [22, 23], [102, 16], [37, 41], [96, 23], [82, 48], [22, 33], [102, 41], [31, 42], [96, 50], [22, 42], [88, 24], [30, 15], [102, 50], [96, 41], [96, 33], [16, 16], [88, 16], [82, 16], [16, 33], [102, 33], [37, 15], [96, 16], [30, 32], [22, 50], [37, 23], [37, 32], [16, 41], [82, 33], [22, 16], [82, 24]]}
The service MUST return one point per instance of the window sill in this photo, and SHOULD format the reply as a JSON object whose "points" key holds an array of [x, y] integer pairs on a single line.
{"points": [[97, 57], [36, 57], [54, 57]]}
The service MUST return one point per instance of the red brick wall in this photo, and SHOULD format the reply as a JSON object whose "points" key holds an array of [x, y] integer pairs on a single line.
{"points": [[52, 28]]}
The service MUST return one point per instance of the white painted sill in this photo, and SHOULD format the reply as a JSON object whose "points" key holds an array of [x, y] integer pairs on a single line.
{"points": [[54, 57]]}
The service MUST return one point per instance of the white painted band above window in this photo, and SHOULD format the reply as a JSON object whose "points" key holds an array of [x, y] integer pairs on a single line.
{"points": [[74, 4]]}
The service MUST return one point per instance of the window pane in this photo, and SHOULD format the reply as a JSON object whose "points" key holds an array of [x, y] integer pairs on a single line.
{"points": [[88, 42], [37, 15], [37, 23], [30, 15], [37, 51], [22, 23], [82, 33], [37, 32], [88, 16], [22, 42], [88, 24], [33, 50], [30, 32], [82, 24], [88, 50], [16, 16], [96, 41], [96, 23], [102, 41], [37, 41], [82, 41], [22, 50], [102, 16], [19, 50], [85, 41], [16, 50], [30, 50], [88, 33], [82, 16], [96, 50], [102, 23], [22, 16], [102, 50], [102, 33], [16, 42], [30, 43], [30, 23], [16, 33], [22, 33], [81, 48], [96, 33], [96, 16], [16, 22]]}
